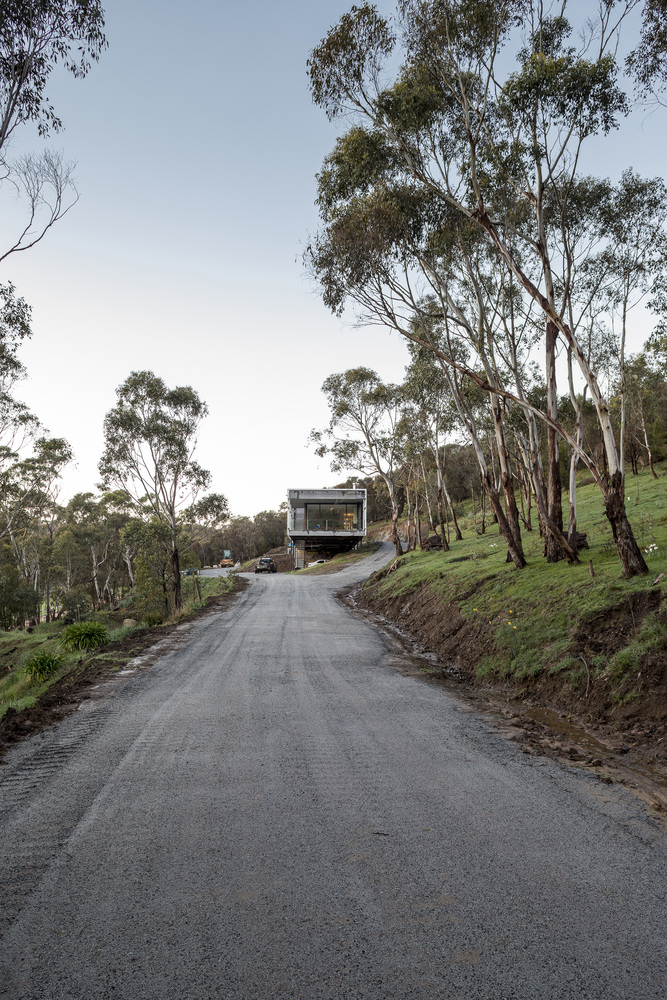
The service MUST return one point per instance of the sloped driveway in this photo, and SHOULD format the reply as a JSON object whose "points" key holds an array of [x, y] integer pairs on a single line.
{"points": [[275, 810]]}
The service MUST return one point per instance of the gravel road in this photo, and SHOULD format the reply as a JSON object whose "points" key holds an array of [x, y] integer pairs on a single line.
{"points": [[274, 810]]}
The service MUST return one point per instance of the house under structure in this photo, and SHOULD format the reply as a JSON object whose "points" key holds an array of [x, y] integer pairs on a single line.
{"points": [[321, 523]]}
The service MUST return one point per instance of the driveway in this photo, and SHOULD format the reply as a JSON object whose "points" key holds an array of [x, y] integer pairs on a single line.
{"points": [[275, 810]]}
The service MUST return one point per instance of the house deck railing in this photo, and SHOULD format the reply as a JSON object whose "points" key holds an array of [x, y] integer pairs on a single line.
{"points": [[336, 524]]}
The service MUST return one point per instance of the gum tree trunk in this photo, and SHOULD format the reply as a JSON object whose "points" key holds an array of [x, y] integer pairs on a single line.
{"points": [[629, 553], [511, 509], [515, 552], [176, 578], [554, 551]]}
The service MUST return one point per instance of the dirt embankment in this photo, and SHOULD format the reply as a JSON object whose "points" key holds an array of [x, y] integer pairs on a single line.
{"points": [[592, 724], [96, 671], [460, 644]]}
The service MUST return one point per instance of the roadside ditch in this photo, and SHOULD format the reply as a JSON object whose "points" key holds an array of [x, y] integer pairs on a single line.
{"points": [[619, 743]]}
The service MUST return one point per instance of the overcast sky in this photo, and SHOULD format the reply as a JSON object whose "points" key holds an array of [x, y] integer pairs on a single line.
{"points": [[197, 146]]}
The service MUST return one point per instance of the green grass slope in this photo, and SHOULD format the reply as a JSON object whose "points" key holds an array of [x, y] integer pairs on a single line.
{"points": [[554, 632]]}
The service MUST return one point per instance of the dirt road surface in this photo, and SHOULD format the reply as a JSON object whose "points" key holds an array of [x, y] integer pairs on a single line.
{"points": [[275, 810]]}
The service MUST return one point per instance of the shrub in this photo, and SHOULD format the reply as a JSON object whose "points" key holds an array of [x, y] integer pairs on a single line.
{"points": [[42, 665], [153, 619], [84, 635]]}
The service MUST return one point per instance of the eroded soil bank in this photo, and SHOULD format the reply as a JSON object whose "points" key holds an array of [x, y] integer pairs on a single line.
{"points": [[593, 724]]}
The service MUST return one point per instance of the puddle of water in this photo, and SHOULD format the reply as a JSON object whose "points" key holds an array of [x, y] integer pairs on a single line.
{"points": [[577, 735], [554, 721]]}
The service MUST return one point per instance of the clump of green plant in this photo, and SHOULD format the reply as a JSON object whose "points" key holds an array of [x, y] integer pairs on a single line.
{"points": [[153, 619], [118, 634], [84, 635], [41, 665], [74, 604]]}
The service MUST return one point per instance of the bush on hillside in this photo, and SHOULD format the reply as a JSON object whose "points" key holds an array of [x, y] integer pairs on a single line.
{"points": [[42, 665], [83, 635]]}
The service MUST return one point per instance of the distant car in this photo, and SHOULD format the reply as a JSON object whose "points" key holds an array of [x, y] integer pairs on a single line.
{"points": [[266, 565]]}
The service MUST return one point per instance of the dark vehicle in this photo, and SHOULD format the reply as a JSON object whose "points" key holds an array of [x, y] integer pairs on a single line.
{"points": [[266, 565]]}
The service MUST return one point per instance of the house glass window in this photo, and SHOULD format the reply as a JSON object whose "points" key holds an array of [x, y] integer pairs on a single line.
{"points": [[332, 517]]}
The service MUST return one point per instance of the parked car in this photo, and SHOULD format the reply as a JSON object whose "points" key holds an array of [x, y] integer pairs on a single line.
{"points": [[266, 565]]}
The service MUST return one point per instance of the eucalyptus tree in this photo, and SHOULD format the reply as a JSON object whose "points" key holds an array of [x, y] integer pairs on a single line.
{"points": [[28, 499], [644, 399], [30, 462], [635, 220], [427, 390], [413, 475], [29, 479], [462, 136], [95, 525], [35, 37], [150, 440], [648, 60], [145, 545], [15, 315], [363, 433]]}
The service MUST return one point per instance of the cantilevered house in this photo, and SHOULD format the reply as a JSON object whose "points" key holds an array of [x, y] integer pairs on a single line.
{"points": [[324, 522]]}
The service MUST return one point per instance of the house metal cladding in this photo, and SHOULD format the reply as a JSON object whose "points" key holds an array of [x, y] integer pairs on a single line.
{"points": [[325, 521]]}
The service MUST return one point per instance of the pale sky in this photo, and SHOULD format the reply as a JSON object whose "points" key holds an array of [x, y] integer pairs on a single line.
{"points": [[197, 146]]}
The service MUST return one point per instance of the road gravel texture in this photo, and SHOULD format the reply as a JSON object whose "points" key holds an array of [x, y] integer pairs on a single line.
{"points": [[276, 810]]}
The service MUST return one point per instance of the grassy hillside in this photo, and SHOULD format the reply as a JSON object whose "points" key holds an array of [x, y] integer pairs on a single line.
{"points": [[554, 632]]}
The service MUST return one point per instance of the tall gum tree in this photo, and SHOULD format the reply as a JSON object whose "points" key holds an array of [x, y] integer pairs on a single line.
{"points": [[363, 433], [150, 440]]}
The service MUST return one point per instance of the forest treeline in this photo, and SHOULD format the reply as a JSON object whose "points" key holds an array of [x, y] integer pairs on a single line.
{"points": [[455, 210], [151, 516], [408, 443]]}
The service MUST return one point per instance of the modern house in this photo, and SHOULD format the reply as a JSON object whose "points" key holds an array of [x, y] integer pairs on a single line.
{"points": [[324, 522]]}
